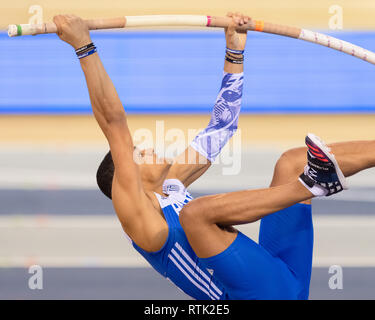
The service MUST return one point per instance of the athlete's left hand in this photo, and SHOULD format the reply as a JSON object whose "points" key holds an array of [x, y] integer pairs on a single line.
{"points": [[236, 40], [73, 30]]}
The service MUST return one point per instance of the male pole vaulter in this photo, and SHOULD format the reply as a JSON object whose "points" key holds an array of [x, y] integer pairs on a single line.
{"points": [[192, 242]]}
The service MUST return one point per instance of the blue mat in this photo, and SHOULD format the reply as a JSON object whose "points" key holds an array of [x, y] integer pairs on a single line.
{"points": [[180, 72]]}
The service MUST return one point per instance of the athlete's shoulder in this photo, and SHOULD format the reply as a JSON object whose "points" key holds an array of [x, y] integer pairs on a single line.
{"points": [[140, 218]]}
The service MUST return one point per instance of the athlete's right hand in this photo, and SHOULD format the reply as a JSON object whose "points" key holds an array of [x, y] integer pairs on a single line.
{"points": [[72, 30], [236, 40]]}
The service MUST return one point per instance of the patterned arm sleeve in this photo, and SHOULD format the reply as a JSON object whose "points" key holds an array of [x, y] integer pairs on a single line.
{"points": [[224, 118]]}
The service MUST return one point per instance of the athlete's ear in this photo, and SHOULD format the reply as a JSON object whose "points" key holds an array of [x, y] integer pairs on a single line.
{"points": [[137, 156]]}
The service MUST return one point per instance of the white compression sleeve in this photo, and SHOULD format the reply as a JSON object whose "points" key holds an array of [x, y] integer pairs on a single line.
{"points": [[224, 118]]}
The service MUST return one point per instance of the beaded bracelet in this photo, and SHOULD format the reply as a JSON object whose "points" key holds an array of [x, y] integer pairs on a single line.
{"points": [[86, 50], [239, 61], [235, 51], [234, 56]]}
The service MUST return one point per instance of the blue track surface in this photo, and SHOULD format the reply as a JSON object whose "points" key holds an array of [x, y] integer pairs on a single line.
{"points": [[180, 72]]}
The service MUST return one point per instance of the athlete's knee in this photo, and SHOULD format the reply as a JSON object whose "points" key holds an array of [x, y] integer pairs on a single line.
{"points": [[289, 166], [292, 160], [192, 214], [189, 214]]}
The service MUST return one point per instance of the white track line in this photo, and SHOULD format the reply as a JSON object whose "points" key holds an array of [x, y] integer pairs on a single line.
{"points": [[98, 241]]}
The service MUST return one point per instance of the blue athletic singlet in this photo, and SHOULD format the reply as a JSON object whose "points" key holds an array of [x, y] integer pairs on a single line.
{"points": [[176, 260], [279, 267]]}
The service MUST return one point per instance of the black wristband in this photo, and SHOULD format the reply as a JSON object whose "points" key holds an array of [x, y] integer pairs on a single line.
{"points": [[85, 50], [240, 61], [235, 56]]}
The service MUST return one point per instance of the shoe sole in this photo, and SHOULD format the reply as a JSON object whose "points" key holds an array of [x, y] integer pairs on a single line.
{"points": [[322, 146]]}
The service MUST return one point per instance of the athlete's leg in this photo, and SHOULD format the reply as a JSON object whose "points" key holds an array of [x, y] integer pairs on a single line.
{"points": [[288, 234], [204, 218], [248, 271], [353, 157]]}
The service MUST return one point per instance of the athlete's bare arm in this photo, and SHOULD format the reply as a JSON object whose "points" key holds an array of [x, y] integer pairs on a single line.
{"points": [[131, 203], [190, 165]]}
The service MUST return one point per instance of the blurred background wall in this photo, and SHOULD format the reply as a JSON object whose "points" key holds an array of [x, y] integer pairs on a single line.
{"points": [[358, 15], [51, 212]]}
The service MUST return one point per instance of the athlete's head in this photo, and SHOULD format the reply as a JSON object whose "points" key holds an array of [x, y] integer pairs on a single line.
{"points": [[104, 175], [153, 170]]}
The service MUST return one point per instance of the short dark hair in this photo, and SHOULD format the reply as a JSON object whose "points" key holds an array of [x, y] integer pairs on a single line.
{"points": [[104, 175]]}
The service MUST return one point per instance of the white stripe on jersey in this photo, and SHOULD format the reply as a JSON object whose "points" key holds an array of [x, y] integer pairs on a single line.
{"points": [[202, 273], [177, 197], [189, 277], [196, 276]]}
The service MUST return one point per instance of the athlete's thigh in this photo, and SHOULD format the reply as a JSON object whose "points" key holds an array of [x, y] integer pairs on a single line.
{"points": [[288, 234], [250, 272], [208, 240]]}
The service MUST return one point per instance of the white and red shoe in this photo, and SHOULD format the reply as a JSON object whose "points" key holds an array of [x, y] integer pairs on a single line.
{"points": [[322, 170]]}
